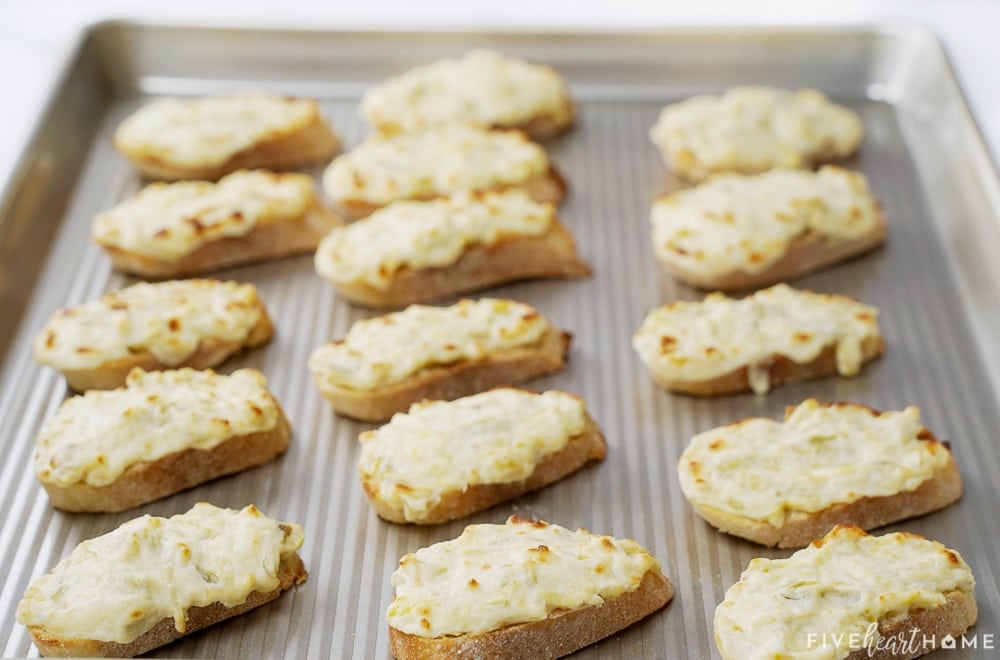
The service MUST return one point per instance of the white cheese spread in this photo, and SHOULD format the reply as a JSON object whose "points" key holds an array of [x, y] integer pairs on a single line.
{"points": [[734, 223], [821, 603], [697, 341], [483, 88], [432, 163], [96, 437], [439, 447], [171, 220], [754, 129], [116, 587], [428, 234], [168, 319], [493, 576], [391, 348], [819, 457]]}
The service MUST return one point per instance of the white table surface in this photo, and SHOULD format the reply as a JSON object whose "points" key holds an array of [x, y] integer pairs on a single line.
{"points": [[36, 36]]}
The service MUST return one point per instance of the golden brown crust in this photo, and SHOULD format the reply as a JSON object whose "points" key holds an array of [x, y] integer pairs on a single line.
{"points": [[291, 571], [781, 370], [549, 188], [560, 634], [149, 481], [312, 144], [453, 381], [481, 266], [267, 241], [806, 254], [581, 449], [545, 128], [210, 352], [800, 528]]}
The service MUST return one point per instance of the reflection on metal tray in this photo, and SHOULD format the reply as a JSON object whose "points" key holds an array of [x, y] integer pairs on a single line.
{"points": [[937, 282]]}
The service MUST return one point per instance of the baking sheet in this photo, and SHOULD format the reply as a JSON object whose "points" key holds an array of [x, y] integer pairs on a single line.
{"points": [[936, 282]]}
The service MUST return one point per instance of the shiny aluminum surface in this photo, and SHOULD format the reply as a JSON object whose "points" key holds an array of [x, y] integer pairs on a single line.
{"points": [[937, 283]]}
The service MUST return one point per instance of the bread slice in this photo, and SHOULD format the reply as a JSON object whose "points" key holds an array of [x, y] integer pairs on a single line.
{"points": [[484, 616], [778, 335], [411, 252], [438, 162], [184, 323], [256, 570], [165, 432], [475, 89], [737, 232], [427, 467], [849, 595], [174, 139], [778, 484], [182, 229], [535, 347], [749, 130]]}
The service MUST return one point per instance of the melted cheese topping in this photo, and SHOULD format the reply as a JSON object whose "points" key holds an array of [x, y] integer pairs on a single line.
{"points": [[210, 131], [494, 576], [391, 348], [696, 341], [483, 88], [812, 604], [168, 319], [746, 223], [431, 234], [171, 220], [96, 437], [439, 447], [754, 129], [116, 587], [432, 163], [820, 456]]}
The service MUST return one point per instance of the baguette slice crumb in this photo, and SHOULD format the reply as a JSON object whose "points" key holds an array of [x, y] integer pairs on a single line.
{"points": [[452, 381], [580, 449], [908, 595], [299, 143], [702, 481]]}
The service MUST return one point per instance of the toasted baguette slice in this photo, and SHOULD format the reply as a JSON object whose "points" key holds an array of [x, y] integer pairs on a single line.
{"points": [[426, 467], [749, 130], [737, 232], [438, 162], [475, 89], [386, 364], [207, 138], [526, 589], [165, 432], [182, 229], [210, 556], [184, 323], [778, 335], [411, 252], [776, 484], [848, 595]]}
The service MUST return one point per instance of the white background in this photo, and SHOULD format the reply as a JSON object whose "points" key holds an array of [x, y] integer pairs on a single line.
{"points": [[37, 36]]}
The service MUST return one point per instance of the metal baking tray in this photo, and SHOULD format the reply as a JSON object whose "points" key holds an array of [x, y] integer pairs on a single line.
{"points": [[937, 282]]}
